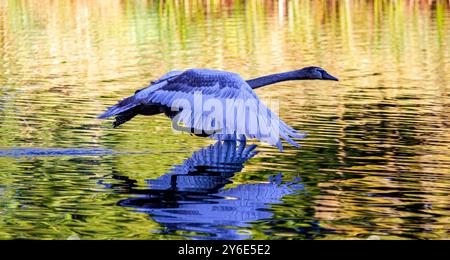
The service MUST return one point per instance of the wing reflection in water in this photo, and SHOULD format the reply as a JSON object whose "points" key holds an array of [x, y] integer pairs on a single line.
{"points": [[192, 199]]}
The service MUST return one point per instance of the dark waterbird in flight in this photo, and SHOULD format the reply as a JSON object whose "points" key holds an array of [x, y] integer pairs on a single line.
{"points": [[242, 121]]}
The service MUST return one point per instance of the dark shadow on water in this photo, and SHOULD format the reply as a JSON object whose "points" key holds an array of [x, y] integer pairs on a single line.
{"points": [[192, 199]]}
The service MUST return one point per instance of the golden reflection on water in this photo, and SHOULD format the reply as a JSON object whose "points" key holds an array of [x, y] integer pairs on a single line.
{"points": [[378, 149]]}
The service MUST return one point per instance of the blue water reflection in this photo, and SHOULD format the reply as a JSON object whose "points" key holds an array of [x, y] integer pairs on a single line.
{"points": [[193, 200]]}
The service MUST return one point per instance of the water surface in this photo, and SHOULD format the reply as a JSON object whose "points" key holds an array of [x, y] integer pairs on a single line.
{"points": [[375, 163]]}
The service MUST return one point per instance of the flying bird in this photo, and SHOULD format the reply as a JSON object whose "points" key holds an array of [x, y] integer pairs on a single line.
{"points": [[238, 113]]}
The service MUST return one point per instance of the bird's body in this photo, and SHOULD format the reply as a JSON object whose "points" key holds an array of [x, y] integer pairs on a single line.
{"points": [[184, 96]]}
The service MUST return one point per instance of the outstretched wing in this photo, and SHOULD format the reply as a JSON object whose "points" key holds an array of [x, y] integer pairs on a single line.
{"points": [[220, 103], [139, 97]]}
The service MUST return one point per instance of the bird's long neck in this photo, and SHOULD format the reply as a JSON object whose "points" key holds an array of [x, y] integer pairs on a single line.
{"points": [[274, 78]]}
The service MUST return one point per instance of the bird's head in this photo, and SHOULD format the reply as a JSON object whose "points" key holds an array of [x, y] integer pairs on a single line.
{"points": [[314, 73]]}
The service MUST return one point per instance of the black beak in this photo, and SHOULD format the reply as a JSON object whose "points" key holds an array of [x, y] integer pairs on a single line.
{"points": [[327, 76]]}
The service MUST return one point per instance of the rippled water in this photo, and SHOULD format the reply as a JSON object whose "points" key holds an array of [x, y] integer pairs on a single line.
{"points": [[376, 162]]}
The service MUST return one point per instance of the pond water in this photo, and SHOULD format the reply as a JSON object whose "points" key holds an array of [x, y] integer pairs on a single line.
{"points": [[375, 163]]}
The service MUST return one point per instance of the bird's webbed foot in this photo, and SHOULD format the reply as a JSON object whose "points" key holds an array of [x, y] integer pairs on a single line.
{"points": [[121, 119], [117, 122]]}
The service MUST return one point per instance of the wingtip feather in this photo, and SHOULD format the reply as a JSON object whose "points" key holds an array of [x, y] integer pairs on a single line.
{"points": [[120, 107]]}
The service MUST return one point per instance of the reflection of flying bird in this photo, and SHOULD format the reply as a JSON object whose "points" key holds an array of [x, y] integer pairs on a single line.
{"points": [[246, 116], [192, 197], [207, 170]]}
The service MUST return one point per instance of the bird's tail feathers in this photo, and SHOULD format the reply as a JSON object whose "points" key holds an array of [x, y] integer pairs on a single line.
{"points": [[122, 106]]}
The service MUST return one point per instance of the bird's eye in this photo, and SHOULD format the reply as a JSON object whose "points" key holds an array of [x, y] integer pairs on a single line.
{"points": [[318, 73]]}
